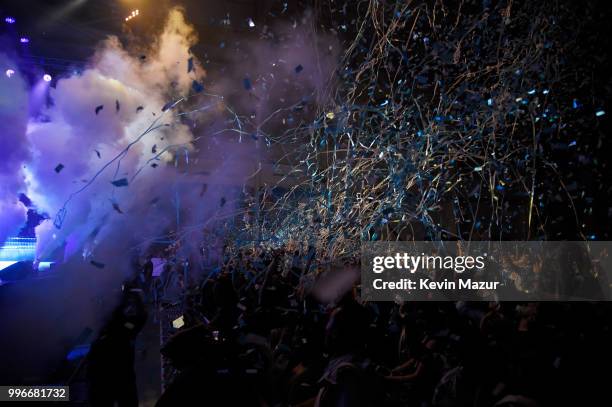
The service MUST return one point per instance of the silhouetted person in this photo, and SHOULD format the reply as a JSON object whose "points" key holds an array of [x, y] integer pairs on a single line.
{"points": [[147, 275], [110, 370]]}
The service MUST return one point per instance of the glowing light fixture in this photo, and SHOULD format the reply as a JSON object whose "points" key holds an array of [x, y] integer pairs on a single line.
{"points": [[132, 15], [17, 249]]}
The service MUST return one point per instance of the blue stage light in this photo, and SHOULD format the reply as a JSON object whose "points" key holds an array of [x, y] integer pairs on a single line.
{"points": [[9, 20], [18, 249]]}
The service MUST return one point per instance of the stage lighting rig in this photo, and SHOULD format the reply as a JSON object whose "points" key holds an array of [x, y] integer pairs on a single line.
{"points": [[134, 13]]}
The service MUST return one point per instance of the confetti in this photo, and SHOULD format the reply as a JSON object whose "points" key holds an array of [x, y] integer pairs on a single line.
{"points": [[197, 87], [190, 65], [116, 207], [123, 182]]}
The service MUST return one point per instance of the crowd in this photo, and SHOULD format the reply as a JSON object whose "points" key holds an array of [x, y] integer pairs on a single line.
{"points": [[253, 334]]}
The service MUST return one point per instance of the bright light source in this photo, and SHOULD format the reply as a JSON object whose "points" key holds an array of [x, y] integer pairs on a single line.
{"points": [[9, 20], [5, 264], [17, 249], [251, 23], [47, 77], [24, 40], [9, 73], [133, 14]]}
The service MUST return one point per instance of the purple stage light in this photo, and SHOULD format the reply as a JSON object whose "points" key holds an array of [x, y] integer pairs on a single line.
{"points": [[9, 73], [47, 77], [24, 40], [9, 20]]}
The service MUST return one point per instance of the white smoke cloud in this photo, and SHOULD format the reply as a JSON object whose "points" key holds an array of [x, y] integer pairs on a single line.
{"points": [[128, 93]]}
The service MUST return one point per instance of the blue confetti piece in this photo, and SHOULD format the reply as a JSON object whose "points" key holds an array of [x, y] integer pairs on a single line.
{"points": [[168, 105], [78, 352], [190, 65], [600, 113], [575, 104], [59, 218], [197, 87], [572, 144], [97, 264], [531, 92], [246, 82], [490, 102], [123, 182], [299, 69]]}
